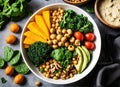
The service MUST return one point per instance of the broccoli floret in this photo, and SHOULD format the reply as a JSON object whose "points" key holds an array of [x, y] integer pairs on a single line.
{"points": [[39, 52]]}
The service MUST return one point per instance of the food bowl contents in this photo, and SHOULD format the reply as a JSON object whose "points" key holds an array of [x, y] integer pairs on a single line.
{"points": [[76, 1], [110, 11], [59, 51]]}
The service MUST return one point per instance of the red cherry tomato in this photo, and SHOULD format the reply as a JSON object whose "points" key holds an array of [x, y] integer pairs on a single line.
{"points": [[89, 45], [78, 35], [89, 36]]}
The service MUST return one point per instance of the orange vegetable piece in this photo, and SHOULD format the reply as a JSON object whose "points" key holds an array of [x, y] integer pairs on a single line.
{"points": [[9, 70], [10, 39], [14, 27], [33, 27], [18, 79], [46, 16], [41, 23], [34, 37], [29, 41]]}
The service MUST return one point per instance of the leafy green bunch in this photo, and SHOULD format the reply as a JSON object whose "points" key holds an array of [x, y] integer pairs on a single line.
{"points": [[76, 22], [12, 10]]}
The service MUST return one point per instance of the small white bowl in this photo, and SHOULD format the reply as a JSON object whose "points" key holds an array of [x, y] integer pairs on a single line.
{"points": [[95, 54]]}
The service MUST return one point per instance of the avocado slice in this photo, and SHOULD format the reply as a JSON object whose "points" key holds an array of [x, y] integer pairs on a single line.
{"points": [[80, 62], [85, 59], [87, 52]]}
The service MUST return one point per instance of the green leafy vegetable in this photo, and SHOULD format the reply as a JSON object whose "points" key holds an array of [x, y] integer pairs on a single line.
{"points": [[76, 22], [62, 55], [1, 62], [3, 80], [89, 9], [12, 10], [15, 58], [8, 53], [39, 52], [21, 68]]}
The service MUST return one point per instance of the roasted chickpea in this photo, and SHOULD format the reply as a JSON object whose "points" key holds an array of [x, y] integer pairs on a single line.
{"points": [[77, 42], [49, 42], [75, 62], [58, 37], [47, 75], [69, 31], [66, 44], [72, 40], [55, 41], [67, 35], [46, 69], [60, 44], [64, 31], [55, 46], [71, 48], [63, 39], [52, 30], [55, 78], [57, 24], [71, 75], [59, 31], [53, 25], [52, 36]]}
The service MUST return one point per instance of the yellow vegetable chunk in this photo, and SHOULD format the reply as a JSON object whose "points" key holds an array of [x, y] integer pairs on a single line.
{"points": [[29, 41], [33, 27], [46, 16], [34, 37], [41, 23]]}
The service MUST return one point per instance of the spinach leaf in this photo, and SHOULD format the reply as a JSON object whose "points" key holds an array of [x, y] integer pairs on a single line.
{"points": [[3, 80], [15, 58], [8, 53], [1, 62], [21, 68]]}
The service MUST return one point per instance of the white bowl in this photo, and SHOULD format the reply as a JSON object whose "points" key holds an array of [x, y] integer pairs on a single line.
{"points": [[95, 55]]}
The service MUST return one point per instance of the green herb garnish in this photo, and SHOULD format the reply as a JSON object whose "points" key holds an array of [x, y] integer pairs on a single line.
{"points": [[3, 80]]}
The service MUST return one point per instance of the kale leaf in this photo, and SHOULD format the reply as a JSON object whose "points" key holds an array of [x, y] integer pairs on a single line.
{"points": [[39, 52]]}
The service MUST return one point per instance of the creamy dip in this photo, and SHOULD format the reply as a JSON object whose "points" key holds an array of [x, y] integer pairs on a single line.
{"points": [[110, 11]]}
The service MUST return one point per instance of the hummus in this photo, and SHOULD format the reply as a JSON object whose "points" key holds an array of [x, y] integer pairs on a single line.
{"points": [[110, 11]]}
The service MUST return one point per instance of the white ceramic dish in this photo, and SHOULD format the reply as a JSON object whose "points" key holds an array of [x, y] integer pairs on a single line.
{"points": [[95, 55]]}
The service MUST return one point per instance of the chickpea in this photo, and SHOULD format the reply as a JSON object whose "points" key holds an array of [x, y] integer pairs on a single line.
{"points": [[75, 62], [73, 58], [55, 41], [43, 65], [44, 73], [67, 35], [57, 24], [61, 11], [49, 42], [52, 30], [71, 48], [52, 36], [60, 44], [53, 25], [57, 74], [57, 20], [63, 39], [69, 31], [53, 14], [77, 42], [55, 78], [51, 75], [64, 31], [58, 37], [46, 69], [72, 39], [59, 28], [66, 44], [59, 31], [37, 83], [71, 75], [47, 75], [55, 46], [47, 63]]}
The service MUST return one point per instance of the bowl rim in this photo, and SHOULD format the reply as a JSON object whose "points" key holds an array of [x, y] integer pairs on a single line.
{"points": [[86, 71], [96, 7]]}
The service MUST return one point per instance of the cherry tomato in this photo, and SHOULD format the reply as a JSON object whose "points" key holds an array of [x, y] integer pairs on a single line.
{"points": [[89, 45], [78, 35], [90, 37]]}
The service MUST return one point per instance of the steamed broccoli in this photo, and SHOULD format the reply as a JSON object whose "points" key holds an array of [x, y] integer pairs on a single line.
{"points": [[39, 52]]}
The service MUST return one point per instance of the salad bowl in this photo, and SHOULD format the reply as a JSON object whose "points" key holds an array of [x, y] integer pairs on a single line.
{"points": [[95, 53]]}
